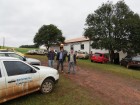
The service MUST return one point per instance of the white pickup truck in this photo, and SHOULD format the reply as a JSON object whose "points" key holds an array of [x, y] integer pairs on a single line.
{"points": [[17, 78]]}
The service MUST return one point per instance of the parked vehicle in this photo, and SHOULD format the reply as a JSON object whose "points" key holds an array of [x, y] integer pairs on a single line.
{"points": [[34, 51], [17, 78], [11, 50], [82, 55], [42, 52], [99, 57], [130, 61], [31, 61]]}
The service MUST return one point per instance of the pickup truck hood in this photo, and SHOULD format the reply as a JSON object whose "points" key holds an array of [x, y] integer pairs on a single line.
{"points": [[47, 72], [46, 69]]}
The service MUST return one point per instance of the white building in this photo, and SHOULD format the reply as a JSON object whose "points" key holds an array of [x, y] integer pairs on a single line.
{"points": [[83, 44]]}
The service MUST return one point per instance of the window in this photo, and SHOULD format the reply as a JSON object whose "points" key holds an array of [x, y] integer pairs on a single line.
{"points": [[2, 55], [16, 56], [82, 46], [17, 68]]}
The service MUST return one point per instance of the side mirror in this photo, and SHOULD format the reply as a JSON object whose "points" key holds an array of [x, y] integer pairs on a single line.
{"points": [[24, 59], [33, 71]]}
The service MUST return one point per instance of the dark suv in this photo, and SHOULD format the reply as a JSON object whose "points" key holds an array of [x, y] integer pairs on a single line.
{"points": [[130, 61]]}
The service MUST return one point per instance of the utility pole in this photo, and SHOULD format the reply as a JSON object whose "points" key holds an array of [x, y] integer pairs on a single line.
{"points": [[3, 42]]}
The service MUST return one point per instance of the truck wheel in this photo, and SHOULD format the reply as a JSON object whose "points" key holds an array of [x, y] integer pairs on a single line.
{"points": [[91, 60], [47, 86]]}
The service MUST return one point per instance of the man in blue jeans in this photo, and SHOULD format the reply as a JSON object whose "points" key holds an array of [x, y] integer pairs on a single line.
{"points": [[60, 58], [51, 56], [71, 61]]}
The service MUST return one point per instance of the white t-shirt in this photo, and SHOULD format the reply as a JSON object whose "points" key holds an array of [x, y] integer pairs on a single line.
{"points": [[71, 58]]}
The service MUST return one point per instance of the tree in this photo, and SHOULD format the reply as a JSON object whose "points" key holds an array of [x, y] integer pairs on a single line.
{"points": [[134, 37], [110, 28], [48, 35]]}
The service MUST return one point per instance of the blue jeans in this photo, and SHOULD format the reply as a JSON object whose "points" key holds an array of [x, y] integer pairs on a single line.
{"points": [[50, 63], [60, 62], [71, 64]]}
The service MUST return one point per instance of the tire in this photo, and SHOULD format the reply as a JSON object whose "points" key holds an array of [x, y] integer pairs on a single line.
{"points": [[91, 60], [47, 86], [127, 66]]}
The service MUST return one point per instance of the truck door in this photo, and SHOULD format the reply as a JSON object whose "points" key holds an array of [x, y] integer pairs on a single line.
{"points": [[2, 86], [21, 78]]}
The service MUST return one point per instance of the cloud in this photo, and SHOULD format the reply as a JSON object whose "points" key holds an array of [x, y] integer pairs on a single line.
{"points": [[21, 19]]}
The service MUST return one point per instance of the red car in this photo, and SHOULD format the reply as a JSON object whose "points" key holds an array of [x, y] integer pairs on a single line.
{"points": [[99, 57]]}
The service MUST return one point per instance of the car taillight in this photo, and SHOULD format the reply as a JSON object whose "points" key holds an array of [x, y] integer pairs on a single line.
{"points": [[135, 62]]}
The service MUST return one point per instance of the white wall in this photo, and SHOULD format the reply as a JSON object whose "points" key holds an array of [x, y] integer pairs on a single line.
{"points": [[67, 47], [99, 50], [77, 47], [122, 55]]}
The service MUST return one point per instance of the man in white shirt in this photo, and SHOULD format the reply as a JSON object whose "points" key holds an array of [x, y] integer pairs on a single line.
{"points": [[71, 61]]}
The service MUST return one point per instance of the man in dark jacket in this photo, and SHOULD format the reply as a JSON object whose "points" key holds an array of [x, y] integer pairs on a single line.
{"points": [[71, 61], [51, 56], [60, 58]]}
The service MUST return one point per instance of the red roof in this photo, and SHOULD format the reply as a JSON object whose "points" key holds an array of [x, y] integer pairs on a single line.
{"points": [[80, 39]]}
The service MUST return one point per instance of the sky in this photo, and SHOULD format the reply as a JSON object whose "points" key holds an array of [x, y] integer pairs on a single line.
{"points": [[21, 19]]}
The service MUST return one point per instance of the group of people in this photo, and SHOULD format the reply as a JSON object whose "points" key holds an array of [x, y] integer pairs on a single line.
{"points": [[61, 57]]}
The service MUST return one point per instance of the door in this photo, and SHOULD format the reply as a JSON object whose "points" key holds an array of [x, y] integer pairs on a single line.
{"points": [[116, 58], [21, 78], [2, 86]]}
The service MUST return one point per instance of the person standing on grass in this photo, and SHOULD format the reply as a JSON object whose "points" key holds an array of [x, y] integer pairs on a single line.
{"points": [[71, 61], [51, 56], [60, 59]]}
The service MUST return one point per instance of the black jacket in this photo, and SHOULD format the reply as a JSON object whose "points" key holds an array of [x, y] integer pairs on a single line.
{"points": [[51, 55], [63, 56], [74, 58]]}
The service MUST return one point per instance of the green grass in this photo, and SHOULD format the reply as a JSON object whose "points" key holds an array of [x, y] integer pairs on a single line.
{"points": [[24, 50], [117, 69]]}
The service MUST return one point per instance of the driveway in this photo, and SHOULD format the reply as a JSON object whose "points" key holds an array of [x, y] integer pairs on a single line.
{"points": [[112, 89]]}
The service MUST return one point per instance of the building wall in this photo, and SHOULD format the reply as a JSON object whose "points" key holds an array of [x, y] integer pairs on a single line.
{"points": [[99, 50], [77, 47], [122, 55]]}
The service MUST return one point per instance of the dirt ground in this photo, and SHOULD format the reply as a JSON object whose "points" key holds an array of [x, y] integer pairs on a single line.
{"points": [[108, 87]]}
